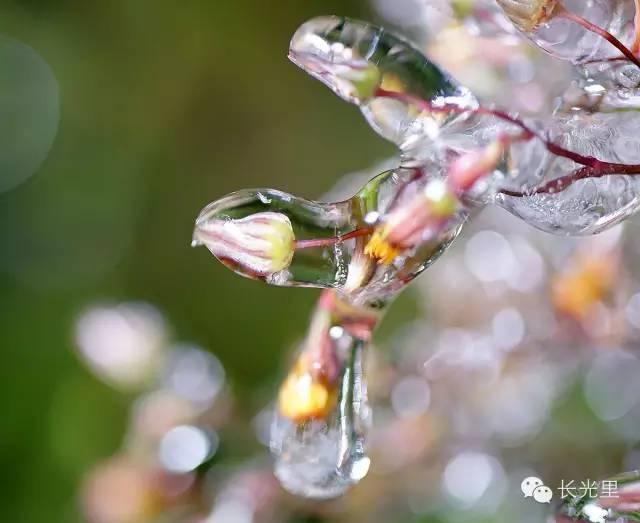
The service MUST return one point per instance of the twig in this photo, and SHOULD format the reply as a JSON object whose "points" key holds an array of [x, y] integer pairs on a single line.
{"points": [[326, 242], [564, 13]]}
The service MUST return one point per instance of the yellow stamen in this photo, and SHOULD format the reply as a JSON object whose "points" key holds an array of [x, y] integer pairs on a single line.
{"points": [[379, 248], [301, 397]]}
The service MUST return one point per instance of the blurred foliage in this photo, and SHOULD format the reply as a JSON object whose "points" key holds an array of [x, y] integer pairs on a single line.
{"points": [[164, 107]]}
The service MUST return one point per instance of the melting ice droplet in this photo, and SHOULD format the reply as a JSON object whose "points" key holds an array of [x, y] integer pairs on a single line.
{"points": [[356, 60], [319, 434]]}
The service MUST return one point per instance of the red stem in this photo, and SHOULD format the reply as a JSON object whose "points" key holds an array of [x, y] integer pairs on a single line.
{"points": [[592, 167], [563, 182], [325, 242], [528, 133], [600, 32]]}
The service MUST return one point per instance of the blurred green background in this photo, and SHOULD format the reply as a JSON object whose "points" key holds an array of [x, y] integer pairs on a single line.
{"points": [[164, 107]]}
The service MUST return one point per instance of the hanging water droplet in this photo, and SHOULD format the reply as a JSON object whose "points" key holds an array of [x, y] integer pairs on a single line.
{"points": [[322, 457], [320, 429]]}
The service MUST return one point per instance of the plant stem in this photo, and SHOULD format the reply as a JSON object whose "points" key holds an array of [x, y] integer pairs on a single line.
{"points": [[563, 182], [564, 13], [528, 133], [325, 242], [592, 167]]}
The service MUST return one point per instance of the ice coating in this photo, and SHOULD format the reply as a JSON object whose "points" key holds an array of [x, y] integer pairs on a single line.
{"points": [[446, 126], [587, 206], [319, 433], [616, 88], [355, 58], [308, 219], [329, 244], [545, 23], [572, 173]]}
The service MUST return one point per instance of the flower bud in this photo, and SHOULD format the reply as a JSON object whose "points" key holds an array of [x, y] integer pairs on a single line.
{"points": [[304, 396], [470, 167], [413, 222], [259, 245]]}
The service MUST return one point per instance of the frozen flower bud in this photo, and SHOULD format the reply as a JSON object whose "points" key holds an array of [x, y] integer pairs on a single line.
{"points": [[319, 432], [413, 222], [260, 244], [359, 61], [304, 396], [308, 391], [469, 168]]}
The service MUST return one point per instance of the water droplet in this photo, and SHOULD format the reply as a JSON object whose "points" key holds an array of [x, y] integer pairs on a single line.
{"points": [[320, 428], [370, 59]]}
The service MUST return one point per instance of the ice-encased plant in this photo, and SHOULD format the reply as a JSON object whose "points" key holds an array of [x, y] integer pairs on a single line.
{"points": [[571, 173]]}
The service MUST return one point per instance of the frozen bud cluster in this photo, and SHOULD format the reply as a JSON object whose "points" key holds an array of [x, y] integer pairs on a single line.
{"points": [[571, 173]]}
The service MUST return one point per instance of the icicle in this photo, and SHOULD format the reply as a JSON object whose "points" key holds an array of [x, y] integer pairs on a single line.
{"points": [[319, 436]]}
